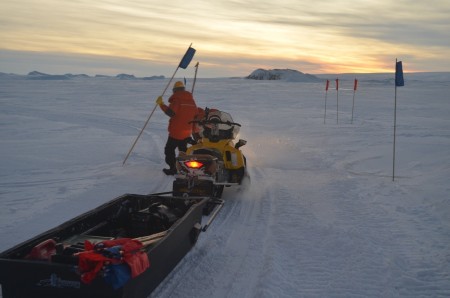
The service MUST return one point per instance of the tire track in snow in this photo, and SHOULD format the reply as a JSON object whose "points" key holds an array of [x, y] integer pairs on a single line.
{"points": [[230, 251]]}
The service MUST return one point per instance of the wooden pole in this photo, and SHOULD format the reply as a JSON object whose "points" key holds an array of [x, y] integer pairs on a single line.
{"points": [[195, 77], [148, 119], [151, 114]]}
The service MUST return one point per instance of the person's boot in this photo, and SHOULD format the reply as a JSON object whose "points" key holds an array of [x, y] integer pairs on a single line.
{"points": [[170, 172]]}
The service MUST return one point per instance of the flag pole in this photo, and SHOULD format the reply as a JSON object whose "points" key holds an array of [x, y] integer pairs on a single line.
{"points": [[337, 100], [355, 86], [395, 122], [326, 93], [183, 64], [195, 77], [399, 82]]}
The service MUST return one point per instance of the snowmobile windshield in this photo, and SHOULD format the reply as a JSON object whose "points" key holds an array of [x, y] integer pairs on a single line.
{"points": [[224, 129]]}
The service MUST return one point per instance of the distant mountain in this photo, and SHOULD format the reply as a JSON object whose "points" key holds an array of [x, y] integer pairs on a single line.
{"points": [[36, 75], [124, 76], [3, 74], [288, 75], [69, 75]]}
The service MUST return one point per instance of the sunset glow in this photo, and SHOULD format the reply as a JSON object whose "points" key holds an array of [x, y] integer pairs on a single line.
{"points": [[232, 38]]}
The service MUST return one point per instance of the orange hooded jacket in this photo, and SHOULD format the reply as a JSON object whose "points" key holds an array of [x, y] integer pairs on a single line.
{"points": [[181, 110]]}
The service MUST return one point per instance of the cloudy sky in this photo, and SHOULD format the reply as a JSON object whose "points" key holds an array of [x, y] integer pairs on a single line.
{"points": [[232, 37]]}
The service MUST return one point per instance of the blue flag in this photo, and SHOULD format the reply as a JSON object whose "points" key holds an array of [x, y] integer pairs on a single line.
{"points": [[399, 74], [187, 58]]}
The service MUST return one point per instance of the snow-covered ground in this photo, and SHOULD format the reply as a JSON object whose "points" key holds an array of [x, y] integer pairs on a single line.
{"points": [[321, 217]]}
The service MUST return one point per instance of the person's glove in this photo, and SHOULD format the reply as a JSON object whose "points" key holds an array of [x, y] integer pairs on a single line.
{"points": [[159, 101]]}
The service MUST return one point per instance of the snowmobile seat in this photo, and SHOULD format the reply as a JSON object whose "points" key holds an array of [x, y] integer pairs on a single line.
{"points": [[222, 134]]}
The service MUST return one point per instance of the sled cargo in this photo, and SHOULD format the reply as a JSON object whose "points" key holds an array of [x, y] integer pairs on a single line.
{"points": [[123, 248]]}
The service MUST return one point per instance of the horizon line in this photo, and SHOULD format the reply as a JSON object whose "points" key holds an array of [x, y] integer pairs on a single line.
{"points": [[161, 75]]}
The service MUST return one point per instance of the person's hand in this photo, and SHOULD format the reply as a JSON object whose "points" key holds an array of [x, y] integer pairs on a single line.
{"points": [[159, 101]]}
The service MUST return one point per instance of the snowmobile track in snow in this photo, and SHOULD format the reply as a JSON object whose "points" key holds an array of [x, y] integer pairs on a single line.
{"points": [[225, 254]]}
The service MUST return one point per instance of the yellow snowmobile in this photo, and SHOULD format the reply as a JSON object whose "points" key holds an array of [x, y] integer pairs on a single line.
{"points": [[215, 161]]}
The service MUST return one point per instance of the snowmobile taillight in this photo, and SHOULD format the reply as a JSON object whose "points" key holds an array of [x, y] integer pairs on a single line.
{"points": [[193, 164]]}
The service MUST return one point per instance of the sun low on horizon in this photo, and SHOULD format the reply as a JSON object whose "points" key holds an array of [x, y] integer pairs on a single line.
{"points": [[231, 37]]}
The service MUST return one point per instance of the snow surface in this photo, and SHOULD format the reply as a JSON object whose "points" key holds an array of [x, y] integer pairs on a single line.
{"points": [[321, 217]]}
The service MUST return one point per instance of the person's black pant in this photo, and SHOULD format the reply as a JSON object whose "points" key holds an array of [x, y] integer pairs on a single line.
{"points": [[169, 150]]}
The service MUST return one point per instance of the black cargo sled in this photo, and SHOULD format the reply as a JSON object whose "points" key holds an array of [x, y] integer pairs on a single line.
{"points": [[123, 248]]}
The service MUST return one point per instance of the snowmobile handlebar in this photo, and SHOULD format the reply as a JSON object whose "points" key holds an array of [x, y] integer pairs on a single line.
{"points": [[214, 121]]}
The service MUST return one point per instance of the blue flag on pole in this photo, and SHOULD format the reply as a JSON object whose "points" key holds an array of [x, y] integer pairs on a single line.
{"points": [[399, 82], [187, 58]]}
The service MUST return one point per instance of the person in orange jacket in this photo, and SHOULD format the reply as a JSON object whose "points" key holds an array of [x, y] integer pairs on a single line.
{"points": [[182, 109]]}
